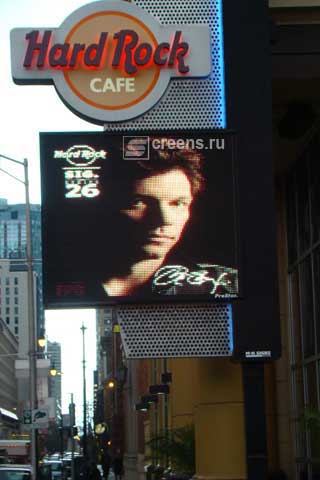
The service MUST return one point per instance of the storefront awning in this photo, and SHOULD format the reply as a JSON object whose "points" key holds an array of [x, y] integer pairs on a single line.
{"points": [[9, 414]]}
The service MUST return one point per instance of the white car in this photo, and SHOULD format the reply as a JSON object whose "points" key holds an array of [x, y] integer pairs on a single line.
{"points": [[22, 472], [15, 472]]}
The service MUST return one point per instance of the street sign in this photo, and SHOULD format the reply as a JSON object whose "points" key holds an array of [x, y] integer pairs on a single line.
{"points": [[66, 420], [40, 418], [27, 417]]}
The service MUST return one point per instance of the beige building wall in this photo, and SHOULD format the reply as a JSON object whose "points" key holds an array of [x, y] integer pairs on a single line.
{"points": [[209, 393], [14, 303], [8, 382]]}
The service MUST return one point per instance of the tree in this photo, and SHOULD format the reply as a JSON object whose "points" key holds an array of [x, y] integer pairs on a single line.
{"points": [[179, 446]]}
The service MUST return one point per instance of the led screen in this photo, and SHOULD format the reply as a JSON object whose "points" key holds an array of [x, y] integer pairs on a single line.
{"points": [[138, 217]]}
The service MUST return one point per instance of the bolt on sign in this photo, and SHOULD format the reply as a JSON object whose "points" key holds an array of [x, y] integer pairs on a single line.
{"points": [[110, 61]]}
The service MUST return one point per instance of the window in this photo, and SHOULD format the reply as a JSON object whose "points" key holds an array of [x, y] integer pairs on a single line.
{"points": [[16, 320], [16, 310], [7, 291], [16, 300], [16, 290], [7, 320], [16, 280], [7, 281], [7, 300], [7, 310], [16, 330], [303, 240]]}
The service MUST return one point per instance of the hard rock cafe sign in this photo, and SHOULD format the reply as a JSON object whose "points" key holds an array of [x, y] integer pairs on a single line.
{"points": [[110, 61]]}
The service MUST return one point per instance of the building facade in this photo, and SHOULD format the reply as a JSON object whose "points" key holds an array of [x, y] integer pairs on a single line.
{"points": [[14, 301], [54, 354], [8, 351], [13, 244], [208, 394]]}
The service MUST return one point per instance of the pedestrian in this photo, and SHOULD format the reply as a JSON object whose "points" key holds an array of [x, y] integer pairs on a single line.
{"points": [[93, 473], [106, 463], [118, 466]]}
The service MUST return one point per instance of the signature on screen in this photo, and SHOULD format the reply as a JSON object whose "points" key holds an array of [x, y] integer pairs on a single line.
{"points": [[178, 275]]}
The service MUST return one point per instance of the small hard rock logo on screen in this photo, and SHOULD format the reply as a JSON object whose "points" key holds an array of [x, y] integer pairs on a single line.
{"points": [[110, 57], [81, 175]]}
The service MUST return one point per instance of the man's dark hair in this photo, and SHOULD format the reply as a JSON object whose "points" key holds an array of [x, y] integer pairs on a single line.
{"points": [[120, 175], [126, 172], [163, 160]]}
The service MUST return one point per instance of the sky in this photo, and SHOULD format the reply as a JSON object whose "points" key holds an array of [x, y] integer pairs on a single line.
{"points": [[26, 111], [70, 337]]}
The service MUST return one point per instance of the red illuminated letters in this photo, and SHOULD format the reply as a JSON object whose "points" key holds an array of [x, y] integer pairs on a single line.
{"points": [[129, 53]]}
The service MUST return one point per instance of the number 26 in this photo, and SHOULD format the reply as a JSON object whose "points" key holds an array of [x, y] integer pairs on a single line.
{"points": [[77, 191]]}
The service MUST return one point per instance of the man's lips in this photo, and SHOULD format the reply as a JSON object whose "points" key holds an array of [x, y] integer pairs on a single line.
{"points": [[160, 238]]}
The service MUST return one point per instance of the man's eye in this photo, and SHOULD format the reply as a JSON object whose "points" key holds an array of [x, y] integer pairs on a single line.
{"points": [[180, 203], [137, 204]]}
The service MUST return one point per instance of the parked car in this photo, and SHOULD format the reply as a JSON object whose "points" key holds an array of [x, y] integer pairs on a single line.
{"points": [[23, 472], [15, 472], [56, 468], [54, 456]]}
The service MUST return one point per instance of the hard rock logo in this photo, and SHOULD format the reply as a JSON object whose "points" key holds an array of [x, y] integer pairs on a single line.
{"points": [[110, 61]]}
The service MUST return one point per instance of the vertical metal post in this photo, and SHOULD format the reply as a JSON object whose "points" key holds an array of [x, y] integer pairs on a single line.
{"points": [[114, 370], [117, 441], [255, 421], [32, 326], [84, 436], [155, 413], [166, 415], [61, 439], [72, 423]]}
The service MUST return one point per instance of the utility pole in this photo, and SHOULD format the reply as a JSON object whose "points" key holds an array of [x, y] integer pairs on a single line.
{"points": [[72, 424], [84, 436], [32, 327]]}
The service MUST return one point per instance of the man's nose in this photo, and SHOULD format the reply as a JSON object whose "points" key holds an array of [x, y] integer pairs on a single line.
{"points": [[163, 215]]}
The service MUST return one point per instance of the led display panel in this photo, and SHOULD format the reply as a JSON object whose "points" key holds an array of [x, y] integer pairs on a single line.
{"points": [[139, 217]]}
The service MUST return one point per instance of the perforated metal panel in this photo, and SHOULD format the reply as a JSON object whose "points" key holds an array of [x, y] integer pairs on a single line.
{"points": [[187, 104], [180, 330]]}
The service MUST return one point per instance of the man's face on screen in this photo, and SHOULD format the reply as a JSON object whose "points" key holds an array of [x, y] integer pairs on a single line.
{"points": [[157, 210]]}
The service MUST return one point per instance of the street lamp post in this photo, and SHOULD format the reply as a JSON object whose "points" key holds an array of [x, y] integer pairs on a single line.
{"points": [[72, 424], [31, 311], [84, 436]]}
